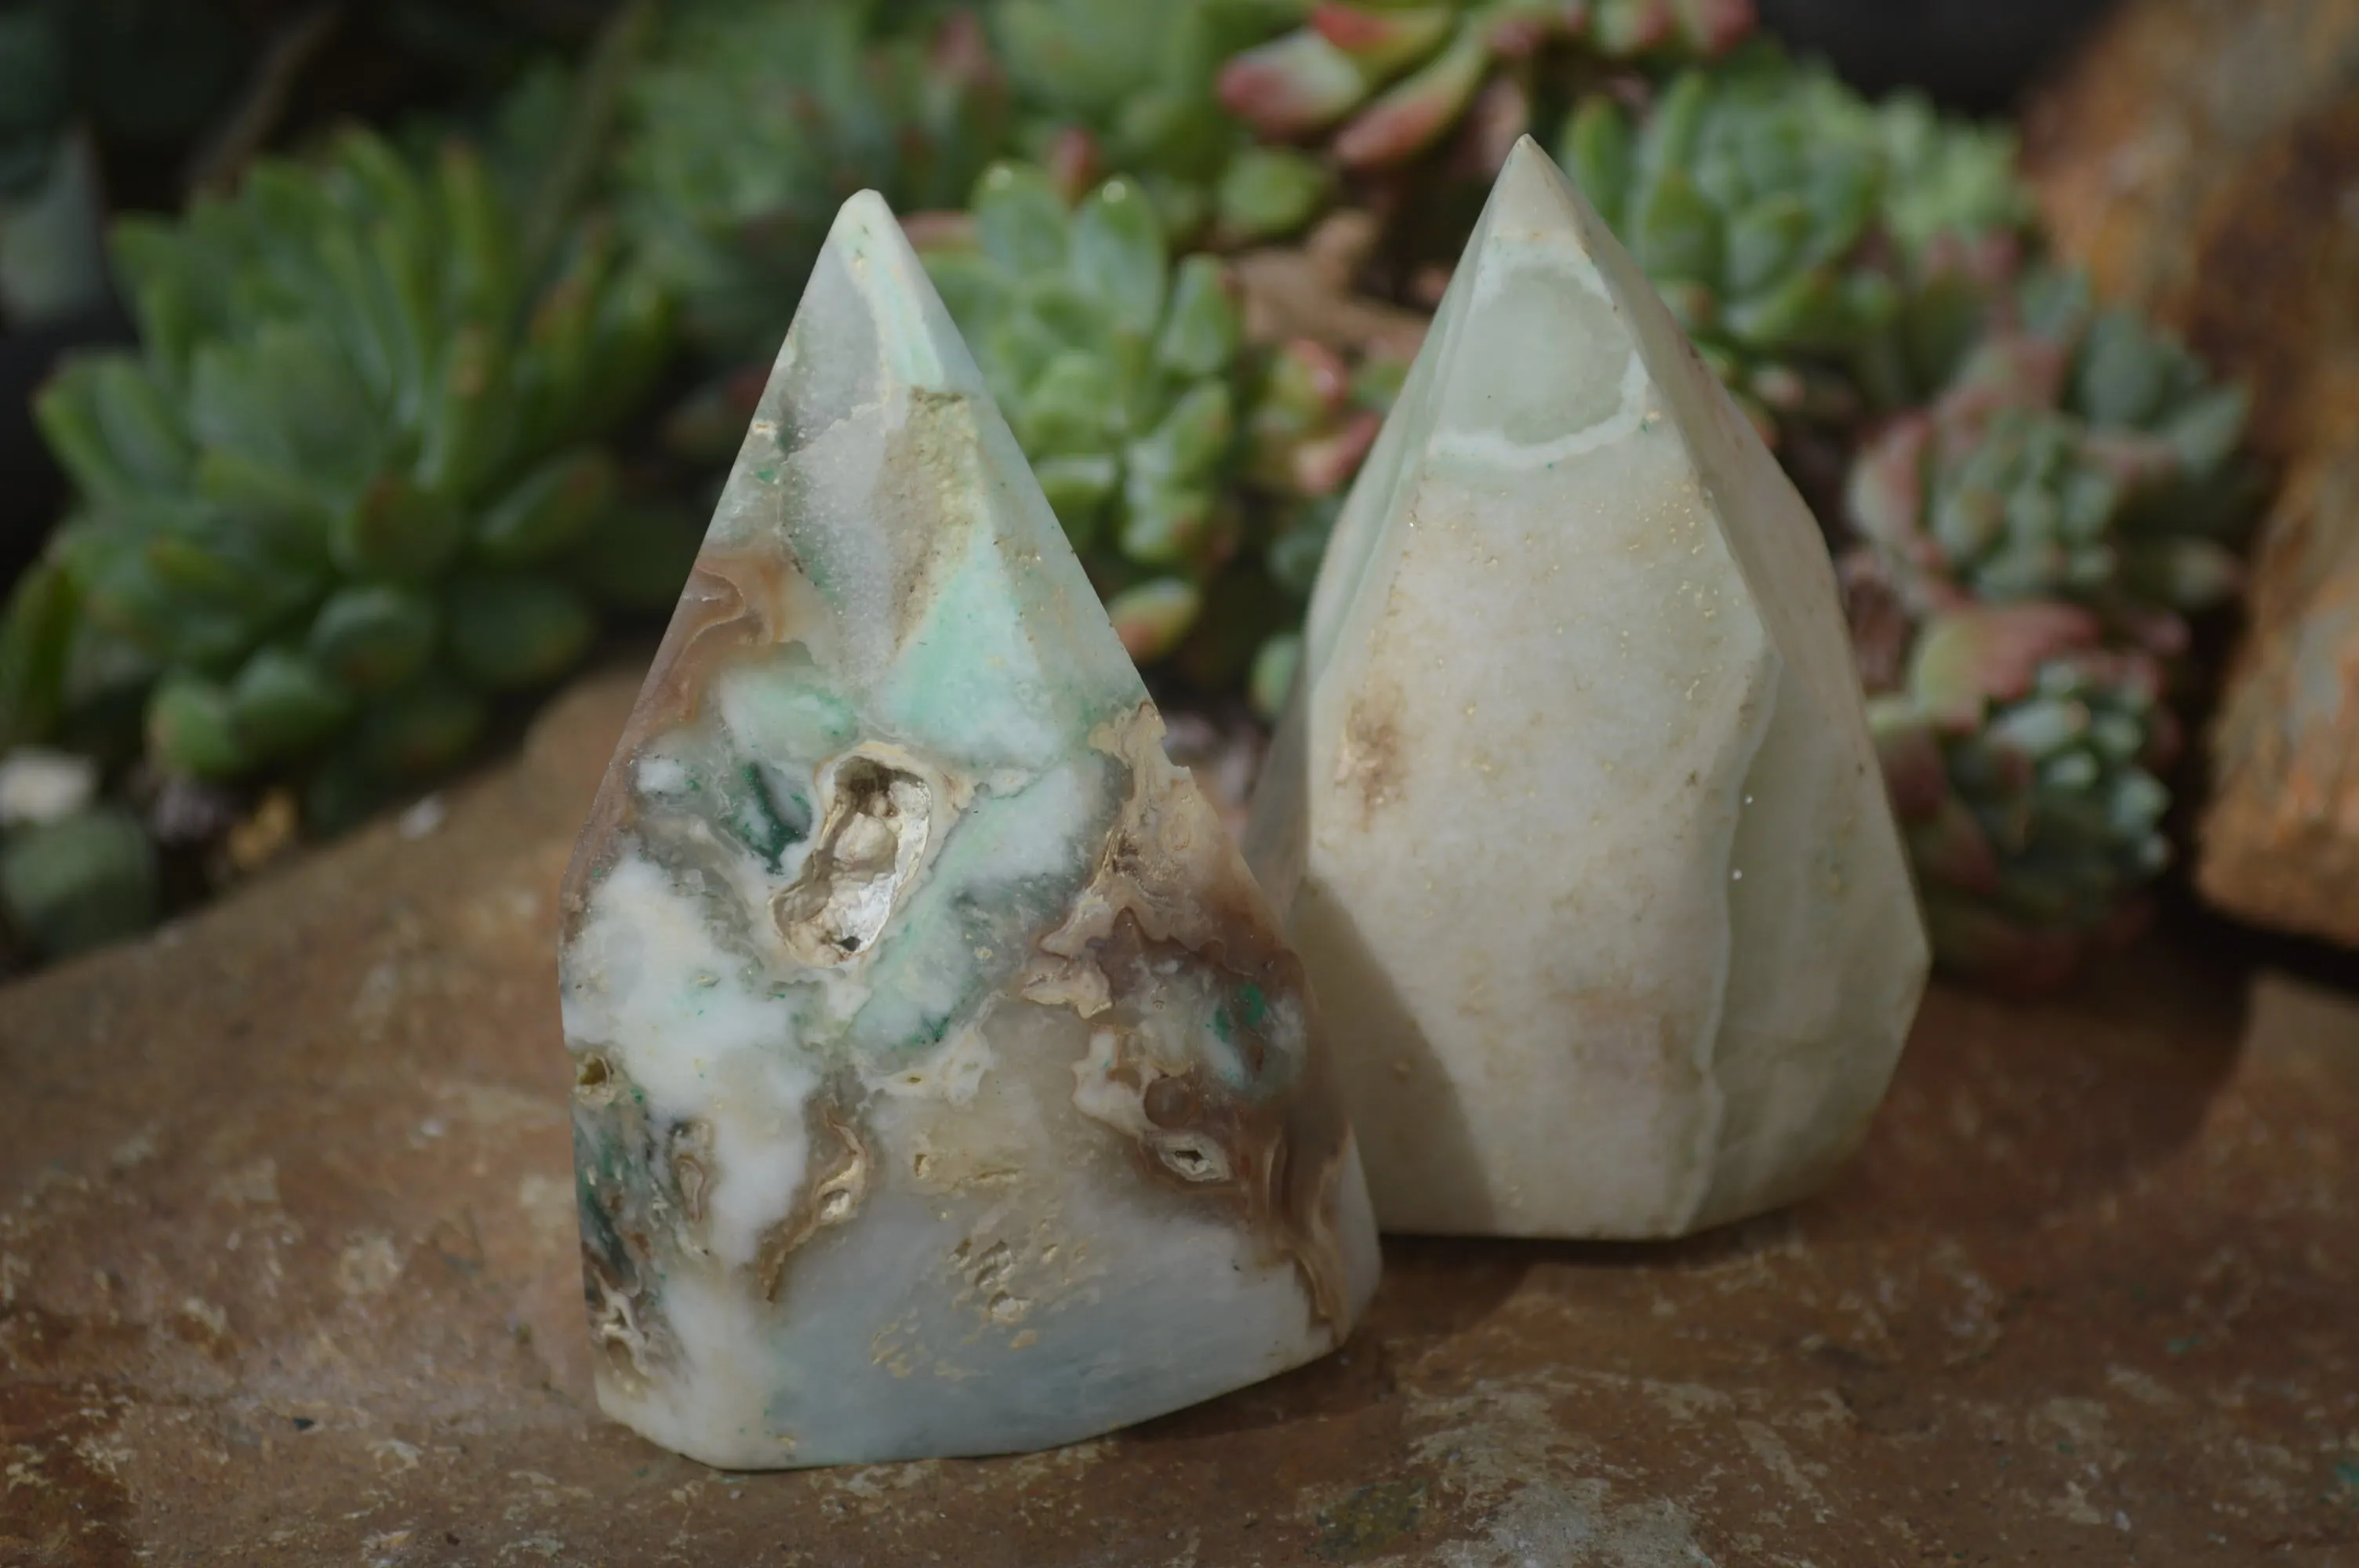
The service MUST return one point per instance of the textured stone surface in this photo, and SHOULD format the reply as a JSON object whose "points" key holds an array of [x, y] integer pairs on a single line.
{"points": [[288, 1277], [2280, 840], [2192, 158], [2202, 159], [942, 1084], [1575, 819]]}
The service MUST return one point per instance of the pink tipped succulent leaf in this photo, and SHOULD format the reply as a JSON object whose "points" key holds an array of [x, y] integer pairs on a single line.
{"points": [[1887, 490], [1075, 162], [1716, 27], [1415, 113], [1153, 617], [1383, 42], [1992, 653], [1625, 27], [1325, 465], [1292, 86], [1518, 29]]}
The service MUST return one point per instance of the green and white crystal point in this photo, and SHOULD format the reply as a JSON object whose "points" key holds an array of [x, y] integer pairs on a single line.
{"points": [[942, 1084], [1575, 819]]}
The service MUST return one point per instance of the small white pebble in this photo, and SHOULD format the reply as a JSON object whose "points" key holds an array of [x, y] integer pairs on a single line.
{"points": [[39, 786], [2121, 1519], [422, 818]]}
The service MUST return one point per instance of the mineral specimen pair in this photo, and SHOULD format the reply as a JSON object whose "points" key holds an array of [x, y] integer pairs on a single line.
{"points": [[944, 1083]]}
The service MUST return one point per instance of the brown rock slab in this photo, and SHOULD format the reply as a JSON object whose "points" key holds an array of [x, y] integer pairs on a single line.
{"points": [[2191, 158], [288, 1277], [2280, 839], [2202, 160]]}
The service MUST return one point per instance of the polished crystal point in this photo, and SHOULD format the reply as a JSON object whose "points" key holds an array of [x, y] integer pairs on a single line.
{"points": [[1574, 817], [942, 1084]]}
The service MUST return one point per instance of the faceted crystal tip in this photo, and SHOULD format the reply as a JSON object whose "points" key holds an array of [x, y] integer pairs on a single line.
{"points": [[921, 346]]}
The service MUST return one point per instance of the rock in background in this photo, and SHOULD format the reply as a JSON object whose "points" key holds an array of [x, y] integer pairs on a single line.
{"points": [[2201, 158]]}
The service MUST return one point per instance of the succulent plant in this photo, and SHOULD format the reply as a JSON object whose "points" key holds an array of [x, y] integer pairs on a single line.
{"points": [[1384, 79], [1955, 217], [1951, 293], [1134, 87], [37, 633], [1314, 416], [78, 882], [1194, 473], [2023, 757], [1120, 372], [1825, 252], [2081, 456], [1750, 199], [2119, 371], [756, 118], [1945, 176], [352, 486]]}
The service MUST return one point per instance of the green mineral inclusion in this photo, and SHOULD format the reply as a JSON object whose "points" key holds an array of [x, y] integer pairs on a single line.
{"points": [[764, 831]]}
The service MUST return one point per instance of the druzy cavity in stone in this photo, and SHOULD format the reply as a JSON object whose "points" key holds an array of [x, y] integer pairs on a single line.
{"points": [[942, 1084], [1575, 819]]}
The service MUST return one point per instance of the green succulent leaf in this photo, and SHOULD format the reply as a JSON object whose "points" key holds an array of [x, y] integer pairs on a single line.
{"points": [[1596, 150], [36, 632], [81, 881], [414, 732], [374, 637], [1203, 329], [1154, 617], [1266, 193], [396, 530], [479, 280], [191, 729], [1192, 444], [1766, 238], [508, 632], [633, 559], [283, 704], [1020, 219], [1118, 257], [1078, 487], [1066, 409], [548, 509], [1165, 524], [464, 424], [1675, 231], [1272, 678]]}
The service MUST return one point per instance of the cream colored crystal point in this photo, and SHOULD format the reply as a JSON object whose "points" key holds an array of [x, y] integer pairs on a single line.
{"points": [[941, 1083], [1574, 817]]}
